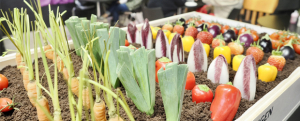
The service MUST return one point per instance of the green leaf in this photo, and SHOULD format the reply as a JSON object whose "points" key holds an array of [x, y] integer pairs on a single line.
{"points": [[70, 23], [151, 75], [172, 86], [122, 37]]}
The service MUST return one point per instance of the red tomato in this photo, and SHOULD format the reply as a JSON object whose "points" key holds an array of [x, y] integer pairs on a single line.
{"points": [[224, 28], [297, 48], [276, 44], [242, 30], [254, 35], [126, 42], [235, 30], [190, 81], [3, 103], [3, 82], [161, 63], [274, 36], [202, 93]]}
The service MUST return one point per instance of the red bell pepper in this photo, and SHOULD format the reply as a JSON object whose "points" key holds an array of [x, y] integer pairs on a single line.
{"points": [[226, 102], [202, 93], [159, 64], [190, 81]]}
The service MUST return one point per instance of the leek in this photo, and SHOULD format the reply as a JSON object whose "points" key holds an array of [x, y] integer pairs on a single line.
{"points": [[172, 83], [136, 71]]}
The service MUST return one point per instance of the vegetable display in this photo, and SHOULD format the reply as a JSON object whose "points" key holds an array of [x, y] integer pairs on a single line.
{"points": [[136, 70], [214, 30], [205, 37], [245, 78], [172, 83], [202, 93], [146, 35], [267, 72], [197, 60], [256, 51], [217, 40], [161, 63], [226, 102], [187, 42], [236, 61], [288, 51], [229, 35], [246, 38], [218, 70]]}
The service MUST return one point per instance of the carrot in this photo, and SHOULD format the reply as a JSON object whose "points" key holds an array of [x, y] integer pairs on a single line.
{"points": [[49, 52], [74, 85], [32, 92], [60, 64], [22, 67], [99, 111], [40, 113], [25, 78], [18, 59], [116, 118], [86, 98], [65, 74]]}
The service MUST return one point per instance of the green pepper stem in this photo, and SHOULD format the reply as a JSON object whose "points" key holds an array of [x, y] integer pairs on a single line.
{"points": [[290, 43], [203, 87], [229, 83], [164, 59]]}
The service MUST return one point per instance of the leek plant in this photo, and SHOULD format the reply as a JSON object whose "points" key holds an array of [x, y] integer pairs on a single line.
{"points": [[172, 82], [136, 70]]}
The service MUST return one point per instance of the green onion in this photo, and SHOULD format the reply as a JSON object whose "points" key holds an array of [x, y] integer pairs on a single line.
{"points": [[136, 71], [172, 83]]}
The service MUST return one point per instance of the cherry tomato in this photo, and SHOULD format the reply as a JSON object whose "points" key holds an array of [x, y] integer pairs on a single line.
{"points": [[126, 42], [242, 30], [254, 35], [224, 28], [276, 43], [296, 48], [3, 82], [190, 81], [274, 36], [202, 93], [3, 103]]}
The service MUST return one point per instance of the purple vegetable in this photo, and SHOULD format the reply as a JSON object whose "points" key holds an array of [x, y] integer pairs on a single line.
{"points": [[146, 35], [229, 35], [161, 45], [201, 27], [214, 30], [176, 49], [246, 38], [132, 33], [197, 60], [245, 78]]}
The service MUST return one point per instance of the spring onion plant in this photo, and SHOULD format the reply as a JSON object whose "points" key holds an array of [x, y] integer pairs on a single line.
{"points": [[136, 70], [172, 82]]}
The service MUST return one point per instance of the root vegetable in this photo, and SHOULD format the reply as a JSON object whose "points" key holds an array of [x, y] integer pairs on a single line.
{"points": [[25, 78], [197, 60], [218, 70], [32, 92], [40, 113], [49, 52], [60, 64], [74, 85], [99, 111], [22, 67], [85, 98], [18, 59], [65, 74]]}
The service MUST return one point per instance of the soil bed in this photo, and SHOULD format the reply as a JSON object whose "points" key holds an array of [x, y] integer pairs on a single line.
{"points": [[190, 112]]}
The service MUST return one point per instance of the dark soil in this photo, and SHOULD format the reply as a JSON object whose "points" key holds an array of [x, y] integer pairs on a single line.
{"points": [[190, 110]]}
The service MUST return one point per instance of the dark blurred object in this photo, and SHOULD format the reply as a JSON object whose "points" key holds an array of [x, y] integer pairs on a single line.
{"points": [[152, 13], [2, 48], [287, 6], [169, 7]]}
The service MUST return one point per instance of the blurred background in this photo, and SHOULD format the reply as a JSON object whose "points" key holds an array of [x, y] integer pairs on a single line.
{"points": [[276, 14]]}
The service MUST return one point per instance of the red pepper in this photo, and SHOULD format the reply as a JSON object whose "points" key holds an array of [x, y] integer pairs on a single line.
{"points": [[190, 81], [226, 102], [126, 42], [202, 93], [159, 64]]}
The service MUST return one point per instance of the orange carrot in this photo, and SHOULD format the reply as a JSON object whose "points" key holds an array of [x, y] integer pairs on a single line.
{"points": [[116, 118], [40, 113], [25, 78], [49, 52], [32, 93], [75, 85], [99, 111], [18, 59], [60, 64], [65, 74], [86, 98], [22, 67]]}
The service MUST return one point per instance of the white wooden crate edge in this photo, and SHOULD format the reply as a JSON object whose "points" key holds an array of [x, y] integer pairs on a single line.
{"points": [[253, 111]]}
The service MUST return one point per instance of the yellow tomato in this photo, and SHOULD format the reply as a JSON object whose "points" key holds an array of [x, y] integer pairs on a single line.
{"points": [[187, 42], [171, 37], [206, 48], [154, 31]]}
